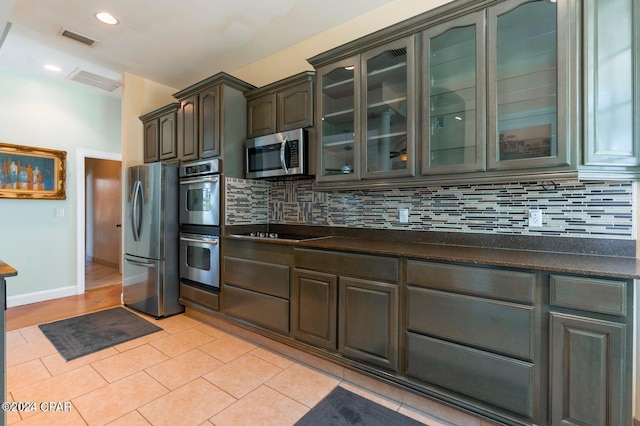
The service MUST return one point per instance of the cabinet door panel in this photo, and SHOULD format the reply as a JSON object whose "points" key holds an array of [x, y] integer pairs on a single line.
{"points": [[188, 129], [368, 321], [388, 110], [587, 371], [610, 135], [526, 82], [339, 146], [453, 122], [295, 107], [314, 298], [151, 153], [261, 116], [209, 122], [167, 137]]}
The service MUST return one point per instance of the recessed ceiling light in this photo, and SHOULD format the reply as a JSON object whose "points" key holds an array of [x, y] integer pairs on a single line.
{"points": [[107, 18], [53, 68]]}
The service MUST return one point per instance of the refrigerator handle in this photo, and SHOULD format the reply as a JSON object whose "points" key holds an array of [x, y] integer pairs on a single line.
{"points": [[135, 217], [140, 205]]}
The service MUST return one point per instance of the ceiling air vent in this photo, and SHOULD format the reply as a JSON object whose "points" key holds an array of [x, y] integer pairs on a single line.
{"points": [[77, 37], [95, 80]]}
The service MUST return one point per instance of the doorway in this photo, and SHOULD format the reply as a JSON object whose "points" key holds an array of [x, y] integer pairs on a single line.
{"points": [[103, 211], [93, 188]]}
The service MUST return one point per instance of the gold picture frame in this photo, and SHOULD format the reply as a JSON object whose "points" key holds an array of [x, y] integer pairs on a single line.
{"points": [[35, 173]]}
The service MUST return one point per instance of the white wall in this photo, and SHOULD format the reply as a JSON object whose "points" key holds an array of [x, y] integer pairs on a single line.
{"points": [[41, 246]]}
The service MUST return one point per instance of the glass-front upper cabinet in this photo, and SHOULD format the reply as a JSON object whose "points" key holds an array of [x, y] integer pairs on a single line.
{"points": [[527, 77], [338, 88], [453, 102], [387, 110]]}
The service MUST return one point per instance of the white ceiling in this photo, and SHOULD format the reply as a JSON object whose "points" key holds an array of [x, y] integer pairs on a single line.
{"points": [[169, 42]]}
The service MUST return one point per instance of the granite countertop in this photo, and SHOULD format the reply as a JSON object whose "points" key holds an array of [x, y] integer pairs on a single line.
{"points": [[7, 270], [609, 266], [598, 265]]}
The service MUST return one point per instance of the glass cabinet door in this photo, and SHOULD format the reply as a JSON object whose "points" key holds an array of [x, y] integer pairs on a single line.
{"points": [[387, 112], [338, 90], [525, 91], [453, 117]]}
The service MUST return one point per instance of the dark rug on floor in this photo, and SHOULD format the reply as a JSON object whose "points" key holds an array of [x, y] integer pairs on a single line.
{"points": [[342, 407], [85, 334]]}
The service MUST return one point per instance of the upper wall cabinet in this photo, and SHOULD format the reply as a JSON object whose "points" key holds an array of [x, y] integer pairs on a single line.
{"points": [[454, 107], [366, 107], [284, 105], [611, 81], [212, 121], [507, 117], [160, 133]]}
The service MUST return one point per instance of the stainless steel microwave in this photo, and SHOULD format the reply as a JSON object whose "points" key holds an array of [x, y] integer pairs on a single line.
{"points": [[278, 154]]}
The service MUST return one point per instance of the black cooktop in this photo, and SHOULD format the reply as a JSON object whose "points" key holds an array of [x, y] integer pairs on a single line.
{"points": [[278, 236]]}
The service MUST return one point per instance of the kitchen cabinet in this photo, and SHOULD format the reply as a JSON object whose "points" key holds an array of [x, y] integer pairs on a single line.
{"points": [[211, 121], [347, 303], [160, 131], [284, 105], [366, 108], [518, 128], [256, 283], [590, 365], [472, 331], [496, 99], [611, 94]]}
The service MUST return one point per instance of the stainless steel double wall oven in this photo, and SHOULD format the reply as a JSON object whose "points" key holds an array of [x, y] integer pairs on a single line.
{"points": [[200, 204]]}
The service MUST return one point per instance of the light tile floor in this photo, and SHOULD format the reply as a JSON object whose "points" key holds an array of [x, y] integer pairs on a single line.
{"points": [[191, 373]]}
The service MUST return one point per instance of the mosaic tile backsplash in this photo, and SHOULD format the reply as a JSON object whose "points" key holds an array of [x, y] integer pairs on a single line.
{"points": [[571, 208]]}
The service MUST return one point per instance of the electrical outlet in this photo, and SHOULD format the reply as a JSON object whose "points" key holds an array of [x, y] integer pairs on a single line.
{"points": [[59, 211], [535, 218], [403, 215]]}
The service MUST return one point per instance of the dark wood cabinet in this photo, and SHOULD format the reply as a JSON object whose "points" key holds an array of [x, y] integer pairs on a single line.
{"points": [[341, 302], [368, 321], [284, 105], [314, 301], [256, 282], [474, 331], [212, 121], [188, 129], [160, 133], [589, 357]]}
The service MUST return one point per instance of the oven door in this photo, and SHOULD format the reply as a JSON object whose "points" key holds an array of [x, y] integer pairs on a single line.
{"points": [[200, 201], [200, 259]]}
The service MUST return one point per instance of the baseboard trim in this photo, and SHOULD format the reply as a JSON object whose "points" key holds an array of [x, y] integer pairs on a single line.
{"points": [[41, 296]]}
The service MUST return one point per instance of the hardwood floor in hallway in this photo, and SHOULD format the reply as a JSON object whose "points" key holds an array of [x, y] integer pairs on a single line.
{"points": [[64, 307]]}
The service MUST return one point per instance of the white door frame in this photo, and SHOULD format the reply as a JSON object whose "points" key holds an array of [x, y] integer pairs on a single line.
{"points": [[81, 155]]}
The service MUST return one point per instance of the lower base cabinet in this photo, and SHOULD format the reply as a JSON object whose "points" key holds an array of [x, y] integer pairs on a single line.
{"points": [[587, 371], [340, 302]]}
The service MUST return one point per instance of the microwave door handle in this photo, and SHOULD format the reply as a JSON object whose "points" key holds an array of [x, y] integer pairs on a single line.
{"points": [[283, 162]]}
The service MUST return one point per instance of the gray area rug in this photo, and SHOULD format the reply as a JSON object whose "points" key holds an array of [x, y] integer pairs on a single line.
{"points": [[85, 334], [342, 407]]}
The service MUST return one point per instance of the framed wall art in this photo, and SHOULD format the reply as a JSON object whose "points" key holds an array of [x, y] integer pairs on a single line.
{"points": [[28, 172]]}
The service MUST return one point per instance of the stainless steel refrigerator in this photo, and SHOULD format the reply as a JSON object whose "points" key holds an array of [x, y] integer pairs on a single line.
{"points": [[151, 279]]}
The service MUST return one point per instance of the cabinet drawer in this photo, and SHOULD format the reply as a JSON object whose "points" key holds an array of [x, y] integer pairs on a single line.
{"points": [[588, 294], [257, 276], [359, 265], [517, 286], [499, 326], [199, 296], [486, 377], [260, 309]]}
